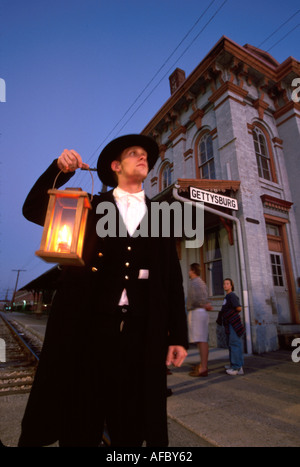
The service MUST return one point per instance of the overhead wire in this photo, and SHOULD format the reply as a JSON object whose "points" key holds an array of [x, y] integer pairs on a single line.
{"points": [[171, 55], [168, 59], [196, 37], [154, 76], [287, 34], [159, 70], [278, 29], [168, 71]]}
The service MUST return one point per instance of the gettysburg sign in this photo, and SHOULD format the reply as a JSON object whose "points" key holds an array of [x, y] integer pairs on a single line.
{"points": [[213, 198]]}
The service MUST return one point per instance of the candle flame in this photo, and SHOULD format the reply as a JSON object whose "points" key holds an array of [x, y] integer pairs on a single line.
{"points": [[64, 238]]}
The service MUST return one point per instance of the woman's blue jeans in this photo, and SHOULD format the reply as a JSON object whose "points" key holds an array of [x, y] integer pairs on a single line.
{"points": [[235, 346]]}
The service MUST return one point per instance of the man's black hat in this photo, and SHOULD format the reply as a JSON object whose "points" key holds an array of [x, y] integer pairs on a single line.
{"points": [[116, 147]]}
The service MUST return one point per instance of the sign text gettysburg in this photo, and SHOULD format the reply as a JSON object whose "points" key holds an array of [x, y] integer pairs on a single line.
{"points": [[213, 198]]}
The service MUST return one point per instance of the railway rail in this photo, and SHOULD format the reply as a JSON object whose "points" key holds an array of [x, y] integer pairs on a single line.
{"points": [[19, 357], [22, 350]]}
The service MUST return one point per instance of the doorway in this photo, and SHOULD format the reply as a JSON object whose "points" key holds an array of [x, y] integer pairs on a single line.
{"points": [[281, 269], [280, 287]]}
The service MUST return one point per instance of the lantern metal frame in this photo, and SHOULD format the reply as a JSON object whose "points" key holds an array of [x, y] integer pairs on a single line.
{"points": [[49, 243]]}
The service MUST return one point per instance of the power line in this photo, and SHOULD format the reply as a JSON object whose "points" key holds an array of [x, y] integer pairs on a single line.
{"points": [[29, 260], [159, 70], [168, 71], [79, 181], [276, 30], [152, 79], [287, 34]]}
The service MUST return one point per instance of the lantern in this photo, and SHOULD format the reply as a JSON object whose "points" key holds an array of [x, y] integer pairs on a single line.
{"points": [[64, 228]]}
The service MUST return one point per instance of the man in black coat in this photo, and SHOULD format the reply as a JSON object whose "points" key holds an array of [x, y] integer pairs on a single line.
{"points": [[115, 322]]}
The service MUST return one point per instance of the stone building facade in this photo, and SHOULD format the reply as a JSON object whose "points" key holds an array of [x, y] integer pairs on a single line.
{"points": [[232, 127]]}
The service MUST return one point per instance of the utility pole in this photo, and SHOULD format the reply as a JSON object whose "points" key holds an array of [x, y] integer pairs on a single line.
{"points": [[18, 273]]}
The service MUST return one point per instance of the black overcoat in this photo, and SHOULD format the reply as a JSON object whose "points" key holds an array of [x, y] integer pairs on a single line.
{"points": [[84, 371]]}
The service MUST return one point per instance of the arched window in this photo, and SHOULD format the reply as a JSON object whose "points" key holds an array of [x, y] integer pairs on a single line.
{"points": [[262, 154], [206, 157], [166, 176]]}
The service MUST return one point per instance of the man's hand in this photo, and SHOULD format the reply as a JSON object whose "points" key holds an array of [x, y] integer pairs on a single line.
{"points": [[70, 160], [176, 355]]}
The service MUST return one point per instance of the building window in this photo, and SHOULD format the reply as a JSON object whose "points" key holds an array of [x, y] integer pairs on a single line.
{"points": [[272, 230], [166, 176], [262, 155], [206, 157], [277, 271], [213, 264]]}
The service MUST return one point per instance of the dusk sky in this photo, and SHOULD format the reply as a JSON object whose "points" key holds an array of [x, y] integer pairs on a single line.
{"points": [[80, 72]]}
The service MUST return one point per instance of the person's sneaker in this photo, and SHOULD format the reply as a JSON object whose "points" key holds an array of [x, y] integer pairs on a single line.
{"points": [[233, 372], [227, 367]]}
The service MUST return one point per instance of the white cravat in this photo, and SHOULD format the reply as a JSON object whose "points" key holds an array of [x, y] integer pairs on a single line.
{"points": [[132, 207]]}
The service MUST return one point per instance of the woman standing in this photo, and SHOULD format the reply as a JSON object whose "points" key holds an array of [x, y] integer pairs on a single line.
{"points": [[234, 328], [198, 318]]}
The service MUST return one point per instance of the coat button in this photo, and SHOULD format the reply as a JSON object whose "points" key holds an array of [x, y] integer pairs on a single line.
{"points": [[127, 265], [94, 269], [100, 254], [127, 277], [129, 248]]}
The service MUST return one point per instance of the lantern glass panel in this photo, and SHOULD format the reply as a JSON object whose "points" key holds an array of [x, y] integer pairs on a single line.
{"points": [[61, 229]]}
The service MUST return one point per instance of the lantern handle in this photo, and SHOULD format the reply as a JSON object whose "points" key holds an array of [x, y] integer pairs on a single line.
{"points": [[92, 194]]}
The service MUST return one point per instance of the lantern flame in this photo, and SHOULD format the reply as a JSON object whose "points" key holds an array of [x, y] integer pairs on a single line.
{"points": [[64, 239]]}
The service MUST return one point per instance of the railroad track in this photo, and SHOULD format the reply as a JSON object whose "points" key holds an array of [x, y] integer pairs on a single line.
{"points": [[22, 350], [19, 357]]}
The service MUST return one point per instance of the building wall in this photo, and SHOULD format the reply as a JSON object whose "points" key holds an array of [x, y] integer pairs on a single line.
{"points": [[289, 131]]}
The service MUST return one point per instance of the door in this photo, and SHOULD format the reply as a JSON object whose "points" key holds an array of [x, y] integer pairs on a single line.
{"points": [[280, 287]]}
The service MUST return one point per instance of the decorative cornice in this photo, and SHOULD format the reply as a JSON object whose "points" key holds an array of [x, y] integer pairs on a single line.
{"points": [[162, 151], [286, 108], [290, 65], [213, 133], [178, 131], [250, 127], [277, 142], [226, 87], [197, 118], [249, 58], [260, 106], [244, 59], [276, 203], [188, 154], [207, 184], [154, 181]]}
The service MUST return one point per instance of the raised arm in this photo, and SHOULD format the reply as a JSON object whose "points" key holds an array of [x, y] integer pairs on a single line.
{"points": [[35, 206]]}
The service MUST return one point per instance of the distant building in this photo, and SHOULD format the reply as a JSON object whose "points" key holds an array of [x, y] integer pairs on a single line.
{"points": [[25, 300], [232, 128], [38, 294]]}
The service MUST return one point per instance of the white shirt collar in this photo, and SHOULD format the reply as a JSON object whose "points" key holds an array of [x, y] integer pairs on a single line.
{"points": [[119, 193]]}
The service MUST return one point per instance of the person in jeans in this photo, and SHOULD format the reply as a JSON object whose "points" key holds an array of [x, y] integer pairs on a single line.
{"points": [[234, 328]]}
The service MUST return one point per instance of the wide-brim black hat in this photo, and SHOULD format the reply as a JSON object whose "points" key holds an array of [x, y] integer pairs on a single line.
{"points": [[116, 147]]}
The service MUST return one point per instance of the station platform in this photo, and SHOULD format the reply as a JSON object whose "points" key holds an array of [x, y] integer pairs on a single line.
{"points": [[259, 409]]}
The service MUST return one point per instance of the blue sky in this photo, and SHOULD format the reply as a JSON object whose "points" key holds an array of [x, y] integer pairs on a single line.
{"points": [[74, 68]]}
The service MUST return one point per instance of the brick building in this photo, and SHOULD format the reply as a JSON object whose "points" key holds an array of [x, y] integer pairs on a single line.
{"points": [[232, 128]]}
